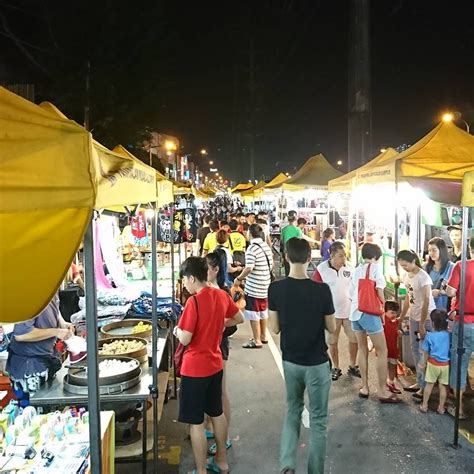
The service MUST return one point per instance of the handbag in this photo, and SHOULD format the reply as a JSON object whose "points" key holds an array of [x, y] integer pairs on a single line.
{"points": [[181, 349], [270, 269], [369, 302]]}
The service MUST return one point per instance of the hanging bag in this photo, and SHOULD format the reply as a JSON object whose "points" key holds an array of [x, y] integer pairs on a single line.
{"points": [[181, 349], [369, 302]]}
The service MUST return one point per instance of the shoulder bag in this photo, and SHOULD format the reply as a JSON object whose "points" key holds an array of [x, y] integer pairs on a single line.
{"points": [[180, 350], [270, 269], [369, 302]]}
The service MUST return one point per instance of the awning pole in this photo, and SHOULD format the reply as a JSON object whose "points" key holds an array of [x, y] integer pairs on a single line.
{"points": [[462, 298], [154, 341], [173, 296], [396, 244], [93, 396]]}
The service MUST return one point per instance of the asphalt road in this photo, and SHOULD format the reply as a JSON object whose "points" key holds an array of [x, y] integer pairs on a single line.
{"points": [[363, 435]]}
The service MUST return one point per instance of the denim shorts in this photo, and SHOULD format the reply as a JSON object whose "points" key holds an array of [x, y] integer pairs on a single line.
{"points": [[368, 323]]}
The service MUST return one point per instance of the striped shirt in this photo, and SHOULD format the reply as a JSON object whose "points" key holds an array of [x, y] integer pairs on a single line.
{"points": [[257, 257]]}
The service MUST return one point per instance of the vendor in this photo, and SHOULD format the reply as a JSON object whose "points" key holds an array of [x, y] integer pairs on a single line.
{"points": [[33, 358]]}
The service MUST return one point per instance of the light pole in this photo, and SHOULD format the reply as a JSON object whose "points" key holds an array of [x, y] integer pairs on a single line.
{"points": [[450, 117]]}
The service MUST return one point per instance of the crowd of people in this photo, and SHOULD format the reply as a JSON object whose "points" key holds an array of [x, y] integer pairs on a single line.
{"points": [[232, 280]]}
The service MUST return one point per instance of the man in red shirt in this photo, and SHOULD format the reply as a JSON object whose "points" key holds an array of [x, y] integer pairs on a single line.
{"points": [[454, 285], [200, 329]]}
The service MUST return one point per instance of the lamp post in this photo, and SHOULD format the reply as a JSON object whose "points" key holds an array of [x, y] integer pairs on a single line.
{"points": [[451, 117]]}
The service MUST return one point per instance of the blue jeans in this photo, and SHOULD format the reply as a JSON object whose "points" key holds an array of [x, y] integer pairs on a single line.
{"points": [[468, 343], [416, 349], [316, 379]]}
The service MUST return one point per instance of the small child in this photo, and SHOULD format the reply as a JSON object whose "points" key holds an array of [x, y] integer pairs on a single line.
{"points": [[391, 330], [436, 347]]}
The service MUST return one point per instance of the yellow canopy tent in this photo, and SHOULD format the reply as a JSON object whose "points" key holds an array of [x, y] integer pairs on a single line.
{"points": [[181, 188], [468, 190], [345, 183], [436, 164], [241, 187], [277, 181], [164, 187], [256, 191], [52, 175], [314, 174], [211, 192]]}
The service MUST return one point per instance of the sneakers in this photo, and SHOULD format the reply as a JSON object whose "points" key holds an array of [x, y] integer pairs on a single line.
{"points": [[336, 373], [354, 371]]}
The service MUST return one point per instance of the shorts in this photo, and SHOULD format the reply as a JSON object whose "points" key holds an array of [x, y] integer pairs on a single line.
{"points": [[393, 352], [437, 373], [346, 324], [199, 396], [368, 323], [468, 343], [256, 308]]}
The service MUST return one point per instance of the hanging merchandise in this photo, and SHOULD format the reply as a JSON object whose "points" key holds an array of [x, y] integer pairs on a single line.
{"points": [[138, 224], [164, 226], [189, 225]]}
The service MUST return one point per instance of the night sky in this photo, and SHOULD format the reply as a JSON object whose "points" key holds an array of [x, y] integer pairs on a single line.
{"points": [[183, 68]]}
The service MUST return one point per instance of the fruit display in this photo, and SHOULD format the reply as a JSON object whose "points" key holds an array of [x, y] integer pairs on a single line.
{"points": [[121, 346], [141, 327], [111, 367]]}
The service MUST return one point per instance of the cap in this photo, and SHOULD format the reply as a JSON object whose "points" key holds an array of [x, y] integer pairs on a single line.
{"points": [[454, 227]]}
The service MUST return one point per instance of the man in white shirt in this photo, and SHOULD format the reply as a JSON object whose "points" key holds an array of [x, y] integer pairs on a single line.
{"points": [[338, 275]]}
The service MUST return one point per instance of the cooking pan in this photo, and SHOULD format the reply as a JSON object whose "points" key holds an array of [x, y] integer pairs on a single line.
{"points": [[78, 374]]}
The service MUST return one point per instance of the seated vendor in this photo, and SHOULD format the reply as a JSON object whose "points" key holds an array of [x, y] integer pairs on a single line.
{"points": [[33, 358]]}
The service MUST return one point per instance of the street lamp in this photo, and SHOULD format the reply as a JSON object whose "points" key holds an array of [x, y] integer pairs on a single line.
{"points": [[451, 117], [339, 162], [203, 152], [383, 150]]}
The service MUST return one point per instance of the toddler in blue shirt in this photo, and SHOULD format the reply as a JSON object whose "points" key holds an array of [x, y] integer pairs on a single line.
{"points": [[436, 350]]}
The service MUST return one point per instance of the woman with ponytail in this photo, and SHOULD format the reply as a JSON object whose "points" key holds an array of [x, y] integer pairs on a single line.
{"points": [[417, 306]]}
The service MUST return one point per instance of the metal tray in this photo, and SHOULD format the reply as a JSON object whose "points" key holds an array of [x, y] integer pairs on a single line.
{"points": [[103, 389]]}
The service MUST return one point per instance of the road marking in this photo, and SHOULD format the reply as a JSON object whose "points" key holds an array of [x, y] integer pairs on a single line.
{"points": [[279, 363]]}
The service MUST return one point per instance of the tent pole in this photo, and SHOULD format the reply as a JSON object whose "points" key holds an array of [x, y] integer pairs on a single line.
{"points": [[93, 396], [175, 381], [396, 236], [154, 342], [462, 298]]}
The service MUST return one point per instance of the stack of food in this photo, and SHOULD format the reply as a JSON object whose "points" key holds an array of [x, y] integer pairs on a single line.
{"points": [[121, 346]]}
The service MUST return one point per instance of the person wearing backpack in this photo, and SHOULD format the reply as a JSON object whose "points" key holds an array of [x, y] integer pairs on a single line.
{"points": [[368, 284]]}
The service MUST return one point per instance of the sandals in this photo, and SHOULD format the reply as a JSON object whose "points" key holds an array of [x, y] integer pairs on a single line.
{"points": [[363, 395], [251, 345], [393, 388], [264, 342], [452, 411], [209, 434], [423, 409], [391, 399], [441, 411], [412, 388], [213, 447], [213, 467], [354, 371], [335, 373]]}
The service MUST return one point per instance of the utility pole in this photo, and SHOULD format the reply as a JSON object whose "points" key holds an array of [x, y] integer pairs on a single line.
{"points": [[87, 102], [359, 103], [251, 115]]}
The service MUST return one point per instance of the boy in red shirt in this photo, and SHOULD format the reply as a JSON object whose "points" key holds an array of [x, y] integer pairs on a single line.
{"points": [[200, 329], [391, 330]]}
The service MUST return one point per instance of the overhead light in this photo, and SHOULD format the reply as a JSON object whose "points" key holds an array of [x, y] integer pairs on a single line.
{"points": [[448, 117]]}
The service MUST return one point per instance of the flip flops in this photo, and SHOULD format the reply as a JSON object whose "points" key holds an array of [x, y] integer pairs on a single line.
{"points": [[213, 467], [391, 399], [213, 447]]}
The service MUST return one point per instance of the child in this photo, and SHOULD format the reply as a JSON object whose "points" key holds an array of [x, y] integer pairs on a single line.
{"points": [[391, 330], [436, 348]]}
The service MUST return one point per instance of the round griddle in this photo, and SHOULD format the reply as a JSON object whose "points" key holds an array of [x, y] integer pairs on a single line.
{"points": [[77, 375], [103, 389]]}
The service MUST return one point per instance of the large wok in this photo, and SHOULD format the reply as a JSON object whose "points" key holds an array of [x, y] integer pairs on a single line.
{"points": [[77, 375]]}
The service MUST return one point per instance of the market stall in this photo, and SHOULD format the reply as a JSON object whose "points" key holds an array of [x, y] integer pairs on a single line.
{"points": [[108, 179], [307, 192]]}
